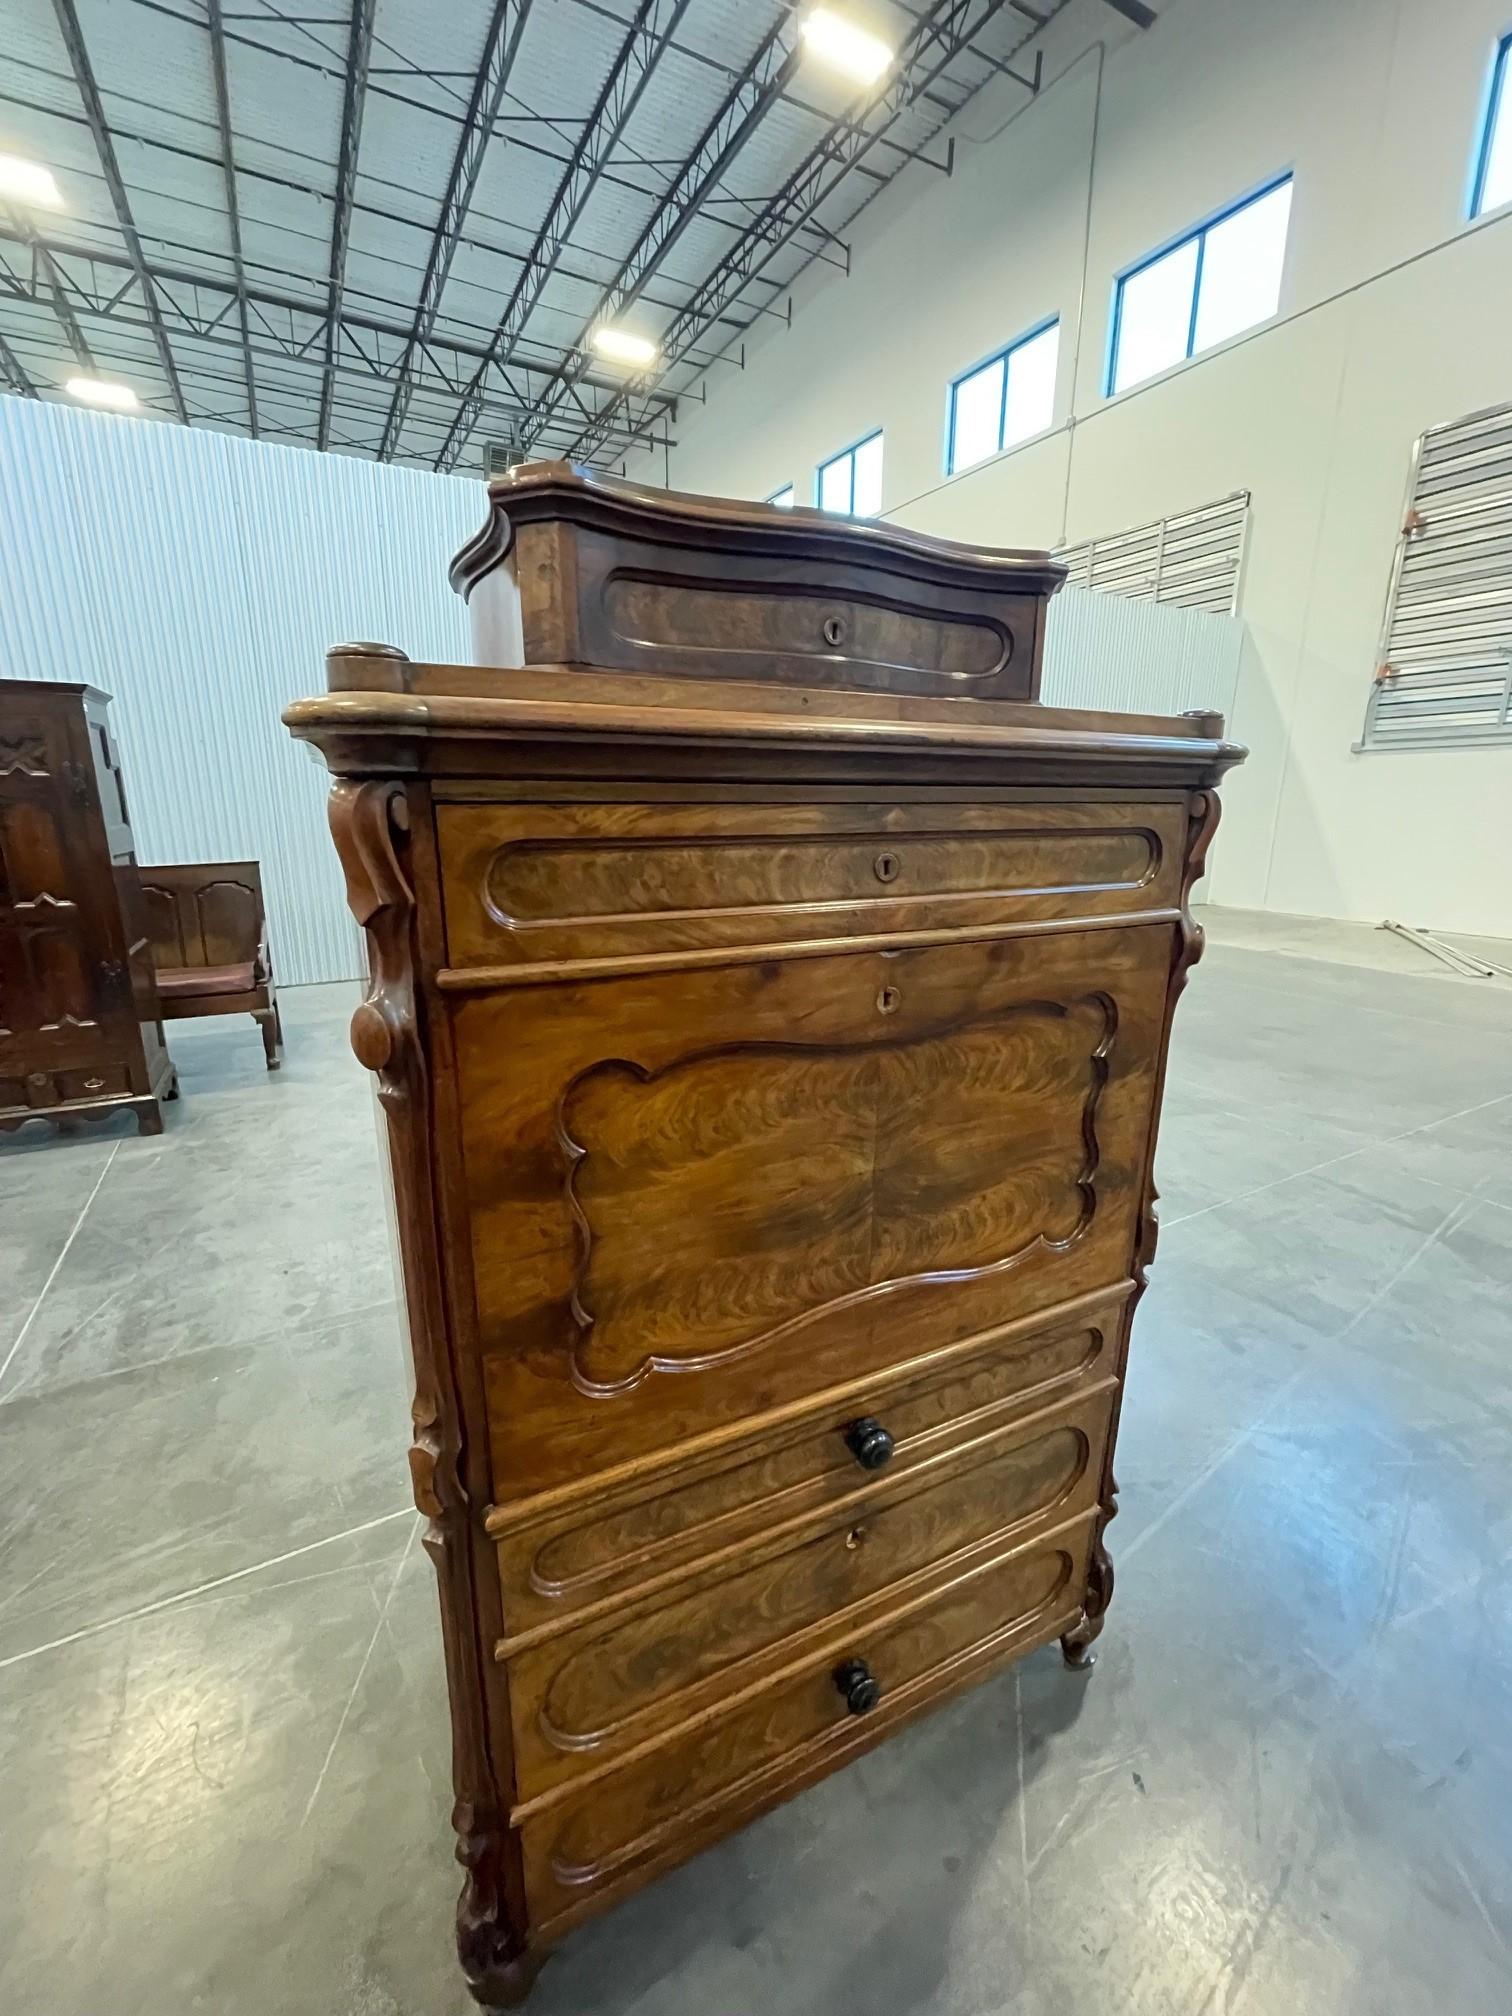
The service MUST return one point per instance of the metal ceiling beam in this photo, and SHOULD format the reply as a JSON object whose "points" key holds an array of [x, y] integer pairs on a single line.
{"points": [[354, 97], [758, 87], [233, 210], [56, 290], [936, 38], [483, 107], [651, 29], [201, 303], [89, 91], [283, 330], [15, 372]]}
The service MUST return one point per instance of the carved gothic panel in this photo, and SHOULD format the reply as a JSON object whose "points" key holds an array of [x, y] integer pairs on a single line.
{"points": [[23, 754]]}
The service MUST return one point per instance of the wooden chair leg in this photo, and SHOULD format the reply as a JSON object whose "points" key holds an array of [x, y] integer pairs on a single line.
{"points": [[267, 1021]]}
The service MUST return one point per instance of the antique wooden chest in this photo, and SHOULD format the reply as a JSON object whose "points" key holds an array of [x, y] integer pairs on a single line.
{"points": [[770, 1002], [81, 1034]]}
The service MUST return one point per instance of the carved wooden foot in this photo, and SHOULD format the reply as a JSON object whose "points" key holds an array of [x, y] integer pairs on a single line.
{"points": [[1076, 1645], [506, 1986], [149, 1117]]}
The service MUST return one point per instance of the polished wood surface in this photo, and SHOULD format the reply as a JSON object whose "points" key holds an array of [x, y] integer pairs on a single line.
{"points": [[712, 1494], [81, 1032], [209, 930], [556, 882], [725, 1765], [773, 1073], [780, 1174], [693, 587]]}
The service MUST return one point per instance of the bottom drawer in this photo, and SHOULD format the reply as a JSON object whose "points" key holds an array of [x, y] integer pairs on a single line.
{"points": [[609, 1835]]}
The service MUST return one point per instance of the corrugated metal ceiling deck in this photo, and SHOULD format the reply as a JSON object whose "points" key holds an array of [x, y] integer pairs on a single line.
{"points": [[441, 331]]}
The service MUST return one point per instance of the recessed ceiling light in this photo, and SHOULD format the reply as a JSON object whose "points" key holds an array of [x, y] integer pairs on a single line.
{"points": [[28, 182], [103, 392], [845, 46], [622, 346]]}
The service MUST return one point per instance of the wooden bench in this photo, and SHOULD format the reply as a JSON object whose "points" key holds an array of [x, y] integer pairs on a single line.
{"points": [[209, 932]]}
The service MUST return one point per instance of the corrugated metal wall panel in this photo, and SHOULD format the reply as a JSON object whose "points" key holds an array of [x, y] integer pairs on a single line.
{"points": [[1139, 657], [200, 578]]}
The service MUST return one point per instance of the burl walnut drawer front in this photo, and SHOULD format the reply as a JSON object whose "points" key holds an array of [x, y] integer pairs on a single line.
{"points": [[565, 881], [697, 1196], [595, 1551], [584, 1697], [842, 1696]]}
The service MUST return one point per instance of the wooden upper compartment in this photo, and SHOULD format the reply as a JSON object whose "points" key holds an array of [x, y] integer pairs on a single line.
{"points": [[621, 632], [573, 568]]}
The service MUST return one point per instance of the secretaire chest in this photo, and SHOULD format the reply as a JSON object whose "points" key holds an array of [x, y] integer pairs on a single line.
{"points": [[770, 1003]]}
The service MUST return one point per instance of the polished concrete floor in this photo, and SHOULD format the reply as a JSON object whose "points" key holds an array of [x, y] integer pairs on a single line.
{"points": [[1286, 1788]]}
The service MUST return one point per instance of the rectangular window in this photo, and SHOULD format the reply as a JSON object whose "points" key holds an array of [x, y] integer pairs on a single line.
{"points": [[1223, 278], [1493, 167], [1005, 400], [784, 498], [853, 481]]}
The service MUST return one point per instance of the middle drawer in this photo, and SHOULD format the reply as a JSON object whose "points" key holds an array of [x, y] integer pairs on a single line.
{"points": [[583, 1697], [607, 1545]]}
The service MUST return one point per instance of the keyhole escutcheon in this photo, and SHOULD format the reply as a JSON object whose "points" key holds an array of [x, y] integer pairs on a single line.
{"points": [[885, 867], [888, 999]]}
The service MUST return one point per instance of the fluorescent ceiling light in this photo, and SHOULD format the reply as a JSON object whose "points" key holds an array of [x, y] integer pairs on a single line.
{"points": [[28, 182], [103, 392], [855, 51], [623, 346]]}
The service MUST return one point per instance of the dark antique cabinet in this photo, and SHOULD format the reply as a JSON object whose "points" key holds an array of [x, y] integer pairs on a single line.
{"points": [[770, 1002], [80, 1034]]}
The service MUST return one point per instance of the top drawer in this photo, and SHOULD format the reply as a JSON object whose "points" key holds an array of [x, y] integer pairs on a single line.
{"points": [[567, 881]]}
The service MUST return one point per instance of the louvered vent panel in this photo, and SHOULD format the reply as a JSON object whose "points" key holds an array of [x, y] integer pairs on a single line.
{"points": [[1193, 560], [1444, 669]]}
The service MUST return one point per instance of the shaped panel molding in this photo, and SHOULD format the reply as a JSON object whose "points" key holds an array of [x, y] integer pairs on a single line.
{"points": [[740, 1194]]}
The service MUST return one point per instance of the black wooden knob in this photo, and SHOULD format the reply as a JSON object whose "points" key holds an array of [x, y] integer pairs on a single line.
{"points": [[869, 1442], [858, 1685]]}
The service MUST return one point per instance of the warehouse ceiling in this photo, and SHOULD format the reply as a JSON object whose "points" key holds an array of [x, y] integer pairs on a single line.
{"points": [[392, 228]]}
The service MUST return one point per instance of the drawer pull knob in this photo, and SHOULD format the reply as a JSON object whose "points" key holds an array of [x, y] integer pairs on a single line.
{"points": [[869, 1442], [860, 1688], [885, 867]]}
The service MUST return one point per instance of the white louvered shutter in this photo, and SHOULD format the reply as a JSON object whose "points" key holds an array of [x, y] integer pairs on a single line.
{"points": [[1444, 667], [1193, 560]]}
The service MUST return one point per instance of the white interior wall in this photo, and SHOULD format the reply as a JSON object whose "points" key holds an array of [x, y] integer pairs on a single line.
{"points": [[199, 579], [1395, 315]]}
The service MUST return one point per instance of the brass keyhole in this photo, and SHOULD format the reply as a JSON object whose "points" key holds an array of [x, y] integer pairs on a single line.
{"points": [[854, 1538], [885, 867], [888, 999], [834, 630]]}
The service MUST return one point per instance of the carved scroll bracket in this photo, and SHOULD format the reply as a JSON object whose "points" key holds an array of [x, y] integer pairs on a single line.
{"points": [[1203, 810], [370, 822]]}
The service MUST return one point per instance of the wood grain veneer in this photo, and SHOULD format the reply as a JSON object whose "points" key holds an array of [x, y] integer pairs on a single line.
{"points": [[772, 1036]]}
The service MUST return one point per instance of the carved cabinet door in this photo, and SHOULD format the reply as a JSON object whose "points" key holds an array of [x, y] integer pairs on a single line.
{"points": [[699, 1194], [60, 978]]}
